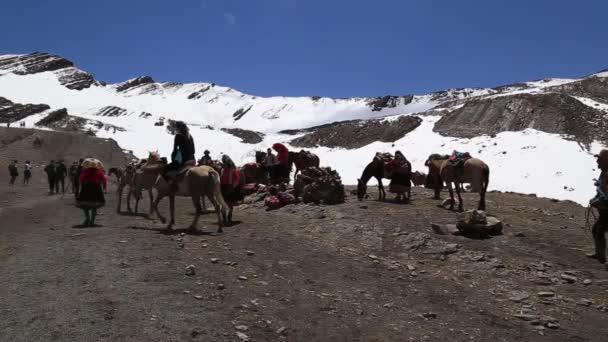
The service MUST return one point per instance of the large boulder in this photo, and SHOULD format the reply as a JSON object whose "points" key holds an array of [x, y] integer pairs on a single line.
{"points": [[320, 186], [475, 223]]}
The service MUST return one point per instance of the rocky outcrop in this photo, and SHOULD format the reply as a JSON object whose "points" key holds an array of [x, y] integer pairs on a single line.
{"points": [[133, 83], [247, 137], [68, 75], [54, 116], [241, 112], [595, 88], [11, 112], [199, 93], [389, 101], [356, 133], [551, 113], [111, 111]]}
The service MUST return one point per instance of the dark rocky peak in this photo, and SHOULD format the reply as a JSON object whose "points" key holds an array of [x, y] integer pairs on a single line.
{"points": [[595, 88], [356, 133], [34, 63], [134, 83], [388, 101], [511, 87], [459, 94], [68, 75], [548, 112], [199, 93], [11, 112]]}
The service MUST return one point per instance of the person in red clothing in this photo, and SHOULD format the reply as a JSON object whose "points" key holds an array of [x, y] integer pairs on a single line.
{"points": [[92, 184], [232, 189], [283, 168]]}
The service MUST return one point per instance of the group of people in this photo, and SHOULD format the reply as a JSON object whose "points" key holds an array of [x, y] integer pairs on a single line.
{"points": [[56, 173], [277, 166], [13, 171]]}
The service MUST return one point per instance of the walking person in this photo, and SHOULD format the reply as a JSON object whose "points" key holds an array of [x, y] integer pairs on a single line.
{"points": [[600, 202], [27, 172], [13, 172], [76, 179], [60, 173], [50, 174], [90, 197]]}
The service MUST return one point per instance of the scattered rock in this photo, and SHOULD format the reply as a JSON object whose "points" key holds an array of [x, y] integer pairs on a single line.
{"points": [[587, 282], [476, 224], [569, 278], [428, 315], [242, 278], [198, 297], [585, 302], [250, 253], [546, 294], [518, 296], [214, 260], [282, 331], [190, 270], [221, 286], [241, 328], [242, 336], [444, 229]]}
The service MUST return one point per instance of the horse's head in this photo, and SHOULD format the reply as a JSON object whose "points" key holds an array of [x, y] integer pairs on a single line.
{"points": [[361, 189]]}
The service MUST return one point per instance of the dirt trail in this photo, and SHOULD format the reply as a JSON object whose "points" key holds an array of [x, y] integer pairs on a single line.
{"points": [[356, 272]]}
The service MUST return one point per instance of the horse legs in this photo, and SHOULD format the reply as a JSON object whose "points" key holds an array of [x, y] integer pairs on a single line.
{"points": [[217, 211], [119, 199], [159, 196], [457, 186], [171, 211], [196, 200], [381, 192], [482, 200], [129, 193], [451, 195], [151, 197]]}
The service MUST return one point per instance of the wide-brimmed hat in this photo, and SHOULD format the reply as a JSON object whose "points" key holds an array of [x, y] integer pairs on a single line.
{"points": [[92, 163]]}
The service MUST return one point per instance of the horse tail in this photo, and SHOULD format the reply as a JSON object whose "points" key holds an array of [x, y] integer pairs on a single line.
{"points": [[486, 178], [217, 190]]}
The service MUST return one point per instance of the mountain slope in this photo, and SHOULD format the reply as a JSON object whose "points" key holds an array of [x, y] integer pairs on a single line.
{"points": [[518, 129]]}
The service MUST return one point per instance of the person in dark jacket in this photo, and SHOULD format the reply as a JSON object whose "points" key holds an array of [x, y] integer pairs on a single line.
{"points": [[183, 152], [60, 173], [283, 169], [13, 172], [50, 174], [27, 172], [206, 159], [76, 179], [600, 202]]}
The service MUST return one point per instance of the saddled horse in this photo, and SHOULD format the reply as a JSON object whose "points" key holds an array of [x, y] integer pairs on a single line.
{"points": [[195, 182], [474, 171], [376, 169], [302, 160]]}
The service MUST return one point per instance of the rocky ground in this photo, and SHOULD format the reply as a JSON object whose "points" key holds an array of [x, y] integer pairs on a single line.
{"points": [[359, 271], [366, 271]]}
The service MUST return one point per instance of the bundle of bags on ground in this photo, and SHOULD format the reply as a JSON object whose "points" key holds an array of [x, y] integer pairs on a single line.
{"points": [[320, 185]]}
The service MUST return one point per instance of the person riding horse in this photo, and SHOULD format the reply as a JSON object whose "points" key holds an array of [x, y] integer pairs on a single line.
{"points": [[183, 153]]}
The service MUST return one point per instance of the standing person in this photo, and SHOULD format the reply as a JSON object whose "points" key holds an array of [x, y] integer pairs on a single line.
{"points": [[400, 177], [600, 202], [76, 184], [92, 181], [27, 172], [232, 189], [50, 174], [13, 172], [60, 173], [270, 163], [72, 173], [282, 169]]}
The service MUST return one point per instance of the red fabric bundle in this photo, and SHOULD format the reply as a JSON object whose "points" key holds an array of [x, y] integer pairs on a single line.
{"points": [[92, 175]]}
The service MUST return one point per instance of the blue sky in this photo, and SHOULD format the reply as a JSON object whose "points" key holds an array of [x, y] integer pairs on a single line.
{"points": [[332, 48]]}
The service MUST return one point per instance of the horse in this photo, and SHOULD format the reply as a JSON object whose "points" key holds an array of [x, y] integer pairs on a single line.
{"points": [[377, 170], [419, 178], [116, 171], [474, 172], [302, 160], [196, 182], [129, 178]]}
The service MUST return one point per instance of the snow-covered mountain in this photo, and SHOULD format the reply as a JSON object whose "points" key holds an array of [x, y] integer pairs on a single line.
{"points": [[538, 137]]}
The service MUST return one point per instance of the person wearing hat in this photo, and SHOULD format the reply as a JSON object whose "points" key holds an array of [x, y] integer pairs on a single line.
{"points": [[206, 159], [51, 176], [600, 202], [92, 181]]}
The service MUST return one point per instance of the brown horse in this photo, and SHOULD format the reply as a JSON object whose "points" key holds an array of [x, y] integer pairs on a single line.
{"points": [[302, 160], [197, 181], [474, 172], [418, 178]]}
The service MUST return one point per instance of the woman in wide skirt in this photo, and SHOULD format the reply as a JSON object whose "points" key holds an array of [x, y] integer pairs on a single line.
{"points": [[91, 195]]}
